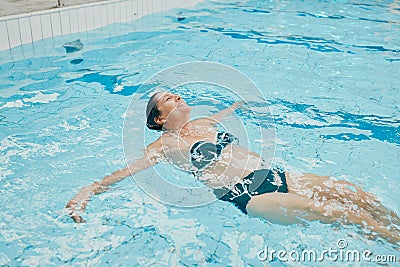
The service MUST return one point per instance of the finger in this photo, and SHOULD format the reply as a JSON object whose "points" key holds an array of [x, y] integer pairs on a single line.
{"points": [[71, 204], [78, 219]]}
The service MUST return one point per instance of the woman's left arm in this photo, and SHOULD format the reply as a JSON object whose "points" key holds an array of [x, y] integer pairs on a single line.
{"points": [[224, 113], [220, 116]]}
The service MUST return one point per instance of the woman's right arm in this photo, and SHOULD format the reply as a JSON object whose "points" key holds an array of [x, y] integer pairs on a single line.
{"points": [[79, 202]]}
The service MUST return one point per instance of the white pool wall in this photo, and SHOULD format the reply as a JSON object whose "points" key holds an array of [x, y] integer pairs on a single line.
{"points": [[25, 28]]}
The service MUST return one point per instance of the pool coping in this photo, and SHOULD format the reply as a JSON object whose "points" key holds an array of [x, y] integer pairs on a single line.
{"points": [[25, 28], [55, 9]]}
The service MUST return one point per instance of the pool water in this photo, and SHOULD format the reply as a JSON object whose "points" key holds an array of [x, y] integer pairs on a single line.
{"points": [[328, 70]]}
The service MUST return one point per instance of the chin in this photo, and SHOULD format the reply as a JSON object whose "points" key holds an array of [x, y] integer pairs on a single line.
{"points": [[186, 108]]}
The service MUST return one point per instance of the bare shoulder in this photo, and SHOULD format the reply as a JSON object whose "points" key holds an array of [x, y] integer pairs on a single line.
{"points": [[155, 147], [154, 151], [158, 145]]}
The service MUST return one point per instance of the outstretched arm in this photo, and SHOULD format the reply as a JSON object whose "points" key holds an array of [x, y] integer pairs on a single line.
{"points": [[224, 113], [217, 118], [79, 202]]}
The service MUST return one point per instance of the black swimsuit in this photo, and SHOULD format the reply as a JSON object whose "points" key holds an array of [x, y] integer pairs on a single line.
{"points": [[202, 154], [256, 183]]}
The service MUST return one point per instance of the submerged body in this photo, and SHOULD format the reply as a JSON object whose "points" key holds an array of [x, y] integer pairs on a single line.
{"points": [[240, 176], [296, 198]]}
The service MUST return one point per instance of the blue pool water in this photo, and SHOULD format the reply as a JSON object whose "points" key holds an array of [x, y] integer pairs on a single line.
{"points": [[329, 71]]}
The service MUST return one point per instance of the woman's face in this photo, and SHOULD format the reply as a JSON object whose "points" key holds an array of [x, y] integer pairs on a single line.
{"points": [[171, 107]]}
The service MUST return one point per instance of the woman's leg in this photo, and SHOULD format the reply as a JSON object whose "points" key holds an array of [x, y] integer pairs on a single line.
{"points": [[354, 205], [313, 197], [284, 208]]}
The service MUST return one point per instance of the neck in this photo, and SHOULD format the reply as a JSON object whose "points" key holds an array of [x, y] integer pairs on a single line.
{"points": [[181, 129]]}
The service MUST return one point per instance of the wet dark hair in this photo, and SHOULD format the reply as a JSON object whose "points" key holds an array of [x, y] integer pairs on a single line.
{"points": [[153, 112]]}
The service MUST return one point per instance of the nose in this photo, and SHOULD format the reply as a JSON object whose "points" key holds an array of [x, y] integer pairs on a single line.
{"points": [[178, 97]]}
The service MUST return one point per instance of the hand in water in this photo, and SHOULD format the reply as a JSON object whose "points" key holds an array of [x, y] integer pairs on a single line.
{"points": [[71, 206], [237, 104]]}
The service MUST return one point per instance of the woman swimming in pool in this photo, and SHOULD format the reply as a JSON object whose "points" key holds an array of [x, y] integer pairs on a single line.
{"points": [[278, 196]]}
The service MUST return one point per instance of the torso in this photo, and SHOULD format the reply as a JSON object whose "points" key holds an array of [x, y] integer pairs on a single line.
{"points": [[234, 162]]}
